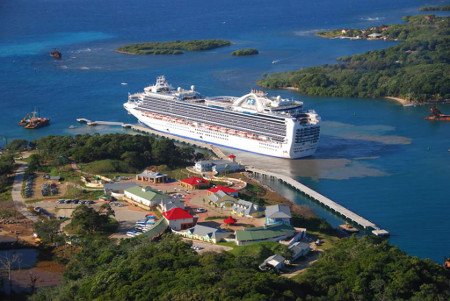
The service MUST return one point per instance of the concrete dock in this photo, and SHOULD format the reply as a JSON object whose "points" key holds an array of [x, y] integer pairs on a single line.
{"points": [[328, 203]]}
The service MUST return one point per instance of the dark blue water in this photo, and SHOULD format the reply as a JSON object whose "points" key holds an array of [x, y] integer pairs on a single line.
{"points": [[376, 157], [20, 258]]}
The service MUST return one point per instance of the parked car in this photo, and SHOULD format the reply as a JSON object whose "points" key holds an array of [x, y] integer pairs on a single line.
{"points": [[200, 210]]}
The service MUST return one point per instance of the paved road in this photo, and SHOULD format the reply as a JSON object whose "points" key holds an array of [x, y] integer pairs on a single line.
{"points": [[207, 247], [16, 194]]}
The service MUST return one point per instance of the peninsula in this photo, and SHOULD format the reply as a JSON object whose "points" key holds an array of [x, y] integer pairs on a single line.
{"points": [[416, 69], [172, 47]]}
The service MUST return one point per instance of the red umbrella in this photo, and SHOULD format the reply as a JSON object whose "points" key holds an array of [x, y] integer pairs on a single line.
{"points": [[230, 220]]}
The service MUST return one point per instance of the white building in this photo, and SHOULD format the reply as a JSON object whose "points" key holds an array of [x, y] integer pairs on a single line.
{"points": [[144, 196]]}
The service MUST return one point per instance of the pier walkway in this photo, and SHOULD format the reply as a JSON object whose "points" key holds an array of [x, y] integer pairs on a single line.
{"points": [[346, 213]]}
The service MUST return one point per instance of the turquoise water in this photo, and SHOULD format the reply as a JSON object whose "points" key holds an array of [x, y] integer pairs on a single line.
{"points": [[379, 159]]}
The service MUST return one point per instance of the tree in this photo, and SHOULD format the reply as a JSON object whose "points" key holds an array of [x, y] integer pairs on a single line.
{"points": [[49, 231], [87, 221]]}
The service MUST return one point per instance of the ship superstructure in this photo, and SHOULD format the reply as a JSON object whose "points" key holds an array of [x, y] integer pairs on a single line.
{"points": [[254, 122]]}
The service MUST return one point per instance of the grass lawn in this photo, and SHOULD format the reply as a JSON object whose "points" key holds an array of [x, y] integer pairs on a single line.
{"points": [[328, 240]]}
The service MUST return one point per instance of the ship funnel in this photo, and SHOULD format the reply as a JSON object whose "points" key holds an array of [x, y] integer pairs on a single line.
{"points": [[179, 89], [192, 88]]}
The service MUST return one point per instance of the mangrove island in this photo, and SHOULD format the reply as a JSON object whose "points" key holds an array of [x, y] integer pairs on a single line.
{"points": [[172, 47]]}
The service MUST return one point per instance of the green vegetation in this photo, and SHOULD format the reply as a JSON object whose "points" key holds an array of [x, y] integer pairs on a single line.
{"points": [[365, 269], [253, 193], [256, 253], [435, 8], [18, 145], [416, 69], [137, 269], [312, 224], [134, 152], [172, 47], [6, 169], [245, 51], [49, 232], [75, 192], [87, 221]]}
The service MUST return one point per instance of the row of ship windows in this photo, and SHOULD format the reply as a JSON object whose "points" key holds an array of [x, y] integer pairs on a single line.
{"points": [[269, 128], [306, 140], [209, 132], [296, 150], [308, 131], [218, 137]]}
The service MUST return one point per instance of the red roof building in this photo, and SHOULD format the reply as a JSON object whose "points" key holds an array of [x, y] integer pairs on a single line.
{"points": [[194, 183], [179, 219], [225, 189]]}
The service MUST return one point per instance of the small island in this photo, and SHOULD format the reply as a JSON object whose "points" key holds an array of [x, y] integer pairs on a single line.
{"points": [[245, 52], [414, 70], [172, 47], [435, 8]]}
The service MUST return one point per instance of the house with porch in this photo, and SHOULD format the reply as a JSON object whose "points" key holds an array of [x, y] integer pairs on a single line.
{"points": [[205, 233], [248, 209], [278, 214], [178, 219]]}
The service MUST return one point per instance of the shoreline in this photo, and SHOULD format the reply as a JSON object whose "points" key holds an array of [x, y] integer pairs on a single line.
{"points": [[402, 101]]}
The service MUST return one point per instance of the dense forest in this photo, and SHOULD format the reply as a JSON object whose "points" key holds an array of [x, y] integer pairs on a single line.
{"points": [[435, 8], [415, 69], [172, 47], [137, 269], [126, 153]]}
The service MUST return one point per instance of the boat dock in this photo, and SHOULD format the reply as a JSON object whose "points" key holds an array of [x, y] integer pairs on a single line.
{"points": [[328, 203]]}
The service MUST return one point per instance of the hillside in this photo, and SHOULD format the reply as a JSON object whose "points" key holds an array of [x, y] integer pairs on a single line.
{"points": [[415, 69]]}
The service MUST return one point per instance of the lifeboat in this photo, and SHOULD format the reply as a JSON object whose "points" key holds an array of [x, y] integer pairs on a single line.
{"points": [[264, 138], [223, 130], [242, 134]]}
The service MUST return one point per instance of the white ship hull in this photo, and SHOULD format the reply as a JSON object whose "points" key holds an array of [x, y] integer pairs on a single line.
{"points": [[286, 149]]}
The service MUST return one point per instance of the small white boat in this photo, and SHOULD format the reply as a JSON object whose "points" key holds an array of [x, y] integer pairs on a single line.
{"points": [[124, 84]]}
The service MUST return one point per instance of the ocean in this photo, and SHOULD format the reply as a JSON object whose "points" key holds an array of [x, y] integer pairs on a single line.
{"points": [[379, 159]]}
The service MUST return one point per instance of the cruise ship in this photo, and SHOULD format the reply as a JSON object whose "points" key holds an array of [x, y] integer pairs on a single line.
{"points": [[255, 122]]}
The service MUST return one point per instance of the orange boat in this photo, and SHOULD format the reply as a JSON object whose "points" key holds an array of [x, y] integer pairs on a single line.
{"points": [[32, 121], [436, 114]]}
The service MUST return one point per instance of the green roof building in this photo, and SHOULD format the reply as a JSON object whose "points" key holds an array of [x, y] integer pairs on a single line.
{"points": [[275, 232], [144, 196]]}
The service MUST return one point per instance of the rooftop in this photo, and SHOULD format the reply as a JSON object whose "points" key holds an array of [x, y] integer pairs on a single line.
{"points": [[278, 211], [176, 213], [225, 189], [194, 181], [151, 174], [265, 232], [145, 193]]}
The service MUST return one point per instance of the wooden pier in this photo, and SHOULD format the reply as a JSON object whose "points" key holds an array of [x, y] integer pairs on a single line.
{"points": [[328, 203]]}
